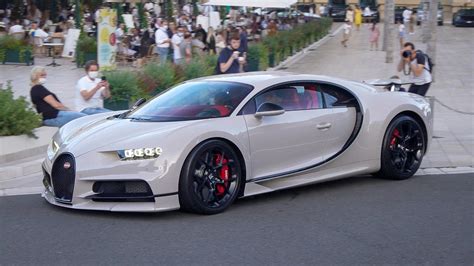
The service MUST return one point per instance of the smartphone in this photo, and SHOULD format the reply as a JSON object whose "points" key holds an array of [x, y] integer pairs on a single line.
{"points": [[104, 78]]}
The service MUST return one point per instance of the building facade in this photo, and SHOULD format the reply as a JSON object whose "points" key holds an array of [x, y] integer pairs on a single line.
{"points": [[449, 6]]}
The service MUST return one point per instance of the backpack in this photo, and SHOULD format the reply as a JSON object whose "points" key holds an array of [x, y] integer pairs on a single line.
{"points": [[428, 60]]}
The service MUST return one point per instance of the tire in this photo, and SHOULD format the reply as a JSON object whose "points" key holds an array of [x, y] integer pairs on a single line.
{"points": [[403, 148], [418, 23], [440, 23], [211, 178]]}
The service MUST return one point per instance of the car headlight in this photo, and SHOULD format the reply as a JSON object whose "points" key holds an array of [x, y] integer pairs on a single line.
{"points": [[140, 154], [52, 149]]}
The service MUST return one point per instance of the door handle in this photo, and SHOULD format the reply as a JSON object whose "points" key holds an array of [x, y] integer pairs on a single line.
{"points": [[323, 126]]}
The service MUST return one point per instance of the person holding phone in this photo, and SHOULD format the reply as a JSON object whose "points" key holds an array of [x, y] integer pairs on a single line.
{"points": [[91, 91], [231, 58]]}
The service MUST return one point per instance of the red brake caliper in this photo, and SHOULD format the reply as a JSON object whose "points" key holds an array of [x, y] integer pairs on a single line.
{"points": [[395, 135], [223, 174]]}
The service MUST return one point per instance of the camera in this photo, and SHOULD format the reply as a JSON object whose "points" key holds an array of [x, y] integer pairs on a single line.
{"points": [[406, 54]]}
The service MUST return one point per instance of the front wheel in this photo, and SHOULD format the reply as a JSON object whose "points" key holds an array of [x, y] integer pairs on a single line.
{"points": [[211, 178], [403, 148]]}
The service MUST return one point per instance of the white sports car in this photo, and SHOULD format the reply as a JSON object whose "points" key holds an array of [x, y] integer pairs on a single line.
{"points": [[204, 143]]}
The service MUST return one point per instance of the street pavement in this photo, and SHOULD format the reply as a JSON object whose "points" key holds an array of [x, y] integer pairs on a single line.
{"points": [[425, 220]]}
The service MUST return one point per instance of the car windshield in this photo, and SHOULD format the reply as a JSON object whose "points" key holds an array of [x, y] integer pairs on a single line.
{"points": [[467, 12], [193, 100]]}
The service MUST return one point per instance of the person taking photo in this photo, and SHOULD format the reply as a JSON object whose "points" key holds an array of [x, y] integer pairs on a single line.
{"points": [[418, 68]]}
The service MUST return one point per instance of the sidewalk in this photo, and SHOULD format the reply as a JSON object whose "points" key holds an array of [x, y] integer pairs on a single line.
{"points": [[453, 142]]}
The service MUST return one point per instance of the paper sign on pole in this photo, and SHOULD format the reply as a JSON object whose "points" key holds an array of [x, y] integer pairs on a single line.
{"points": [[106, 40], [71, 42]]}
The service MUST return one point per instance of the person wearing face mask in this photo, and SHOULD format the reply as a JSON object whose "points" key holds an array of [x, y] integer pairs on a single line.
{"points": [[162, 41], [91, 91], [176, 40], [47, 104]]}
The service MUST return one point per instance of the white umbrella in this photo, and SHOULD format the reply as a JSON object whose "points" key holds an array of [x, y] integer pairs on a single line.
{"points": [[253, 3]]}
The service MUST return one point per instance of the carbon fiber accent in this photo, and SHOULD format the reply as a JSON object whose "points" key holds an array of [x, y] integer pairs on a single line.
{"points": [[63, 176]]}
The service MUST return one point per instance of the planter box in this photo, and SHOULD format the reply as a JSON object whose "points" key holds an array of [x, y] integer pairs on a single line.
{"points": [[116, 105], [82, 58], [13, 57]]}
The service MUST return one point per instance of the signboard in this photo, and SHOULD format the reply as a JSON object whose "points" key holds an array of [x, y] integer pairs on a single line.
{"points": [[106, 40], [71, 42], [128, 19]]}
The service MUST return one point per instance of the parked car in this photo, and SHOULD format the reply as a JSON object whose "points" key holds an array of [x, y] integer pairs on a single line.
{"points": [[420, 15], [374, 12], [399, 13], [204, 143], [464, 17], [337, 9]]}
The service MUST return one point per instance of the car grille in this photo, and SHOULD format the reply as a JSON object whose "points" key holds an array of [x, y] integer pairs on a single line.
{"points": [[63, 176]]}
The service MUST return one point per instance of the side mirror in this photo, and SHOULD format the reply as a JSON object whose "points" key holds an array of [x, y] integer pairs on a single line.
{"points": [[269, 109], [138, 103]]}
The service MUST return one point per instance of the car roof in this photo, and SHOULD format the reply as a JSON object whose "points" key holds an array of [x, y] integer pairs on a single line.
{"points": [[263, 79]]}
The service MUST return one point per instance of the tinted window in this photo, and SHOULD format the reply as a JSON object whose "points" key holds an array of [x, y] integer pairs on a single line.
{"points": [[293, 97], [193, 100], [337, 97]]}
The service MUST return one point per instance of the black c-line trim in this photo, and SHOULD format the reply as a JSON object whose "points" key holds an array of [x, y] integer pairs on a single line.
{"points": [[352, 137], [165, 195]]}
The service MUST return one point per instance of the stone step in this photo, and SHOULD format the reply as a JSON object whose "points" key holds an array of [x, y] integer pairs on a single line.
{"points": [[29, 184], [21, 168]]}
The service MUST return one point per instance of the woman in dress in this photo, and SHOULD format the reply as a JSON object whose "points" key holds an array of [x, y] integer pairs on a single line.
{"points": [[54, 113], [374, 36], [357, 17]]}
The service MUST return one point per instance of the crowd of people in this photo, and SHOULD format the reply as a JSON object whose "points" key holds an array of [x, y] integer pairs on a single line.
{"points": [[177, 40]]}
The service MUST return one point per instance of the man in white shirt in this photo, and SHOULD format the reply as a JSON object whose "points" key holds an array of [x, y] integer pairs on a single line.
{"points": [[37, 32], [91, 91], [176, 40], [120, 31], [162, 41], [322, 10], [16, 28], [406, 17]]}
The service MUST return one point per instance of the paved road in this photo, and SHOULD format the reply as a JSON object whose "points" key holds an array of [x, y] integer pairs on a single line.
{"points": [[360, 220]]}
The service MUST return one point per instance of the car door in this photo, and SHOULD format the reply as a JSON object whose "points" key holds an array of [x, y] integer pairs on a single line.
{"points": [[345, 118], [318, 121], [290, 141]]}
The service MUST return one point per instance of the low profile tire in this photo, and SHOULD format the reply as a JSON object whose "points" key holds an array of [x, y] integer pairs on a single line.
{"points": [[211, 178], [403, 148], [418, 23]]}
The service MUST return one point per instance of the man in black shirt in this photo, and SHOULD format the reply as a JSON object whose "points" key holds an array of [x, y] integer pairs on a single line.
{"points": [[231, 60]]}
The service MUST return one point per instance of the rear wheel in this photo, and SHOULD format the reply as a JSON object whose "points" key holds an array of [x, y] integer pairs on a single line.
{"points": [[211, 178], [402, 149]]}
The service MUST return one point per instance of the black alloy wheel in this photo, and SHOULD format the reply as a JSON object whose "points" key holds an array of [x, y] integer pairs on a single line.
{"points": [[403, 149], [211, 178]]}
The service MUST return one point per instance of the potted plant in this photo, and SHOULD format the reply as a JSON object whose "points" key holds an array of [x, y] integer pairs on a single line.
{"points": [[15, 51], [124, 89], [86, 49]]}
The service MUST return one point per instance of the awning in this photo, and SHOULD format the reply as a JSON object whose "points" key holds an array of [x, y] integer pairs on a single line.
{"points": [[252, 3]]}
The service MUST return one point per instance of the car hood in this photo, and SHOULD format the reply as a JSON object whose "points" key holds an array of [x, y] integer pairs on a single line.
{"points": [[103, 132]]}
